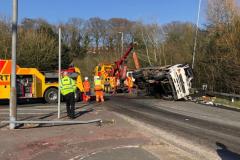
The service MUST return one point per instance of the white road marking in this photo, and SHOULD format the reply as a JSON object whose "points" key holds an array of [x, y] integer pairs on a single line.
{"points": [[7, 113], [81, 156], [34, 109]]}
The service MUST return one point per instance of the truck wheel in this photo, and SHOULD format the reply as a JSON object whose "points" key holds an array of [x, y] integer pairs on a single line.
{"points": [[51, 95]]}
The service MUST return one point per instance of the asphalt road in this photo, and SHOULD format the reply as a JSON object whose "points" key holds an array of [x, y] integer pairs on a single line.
{"points": [[34, 111], [118, 141], [213, 128]]}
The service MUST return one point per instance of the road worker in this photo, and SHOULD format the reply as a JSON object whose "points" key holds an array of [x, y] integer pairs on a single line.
{"points": [[68, 88], [129, 84], [113, 83], [98, 87], [87, 89], [107, 85]]}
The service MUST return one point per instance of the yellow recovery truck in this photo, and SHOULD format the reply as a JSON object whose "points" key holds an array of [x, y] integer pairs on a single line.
{"points": [[31, 83], [104, 71]]}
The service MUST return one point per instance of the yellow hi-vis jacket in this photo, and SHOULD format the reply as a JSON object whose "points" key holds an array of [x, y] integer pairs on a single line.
{"points": [[67, 85], [98, 85]]}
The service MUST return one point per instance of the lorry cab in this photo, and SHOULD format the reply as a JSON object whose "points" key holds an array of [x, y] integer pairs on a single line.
{"points": [[181, 80]]}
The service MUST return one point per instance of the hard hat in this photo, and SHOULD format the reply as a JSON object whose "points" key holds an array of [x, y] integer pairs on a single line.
{"points": [[86, 78], [96, 77], [65, 73]]}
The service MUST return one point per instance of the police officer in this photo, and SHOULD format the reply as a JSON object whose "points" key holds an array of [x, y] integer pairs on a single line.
{"points": [[68, 88]]}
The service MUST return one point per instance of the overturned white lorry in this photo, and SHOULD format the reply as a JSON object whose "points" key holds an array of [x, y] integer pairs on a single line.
{"points": [[168, 82]]}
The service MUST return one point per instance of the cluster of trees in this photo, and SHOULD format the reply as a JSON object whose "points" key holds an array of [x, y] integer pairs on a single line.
{"points": [[89, 42], [218, 60]]}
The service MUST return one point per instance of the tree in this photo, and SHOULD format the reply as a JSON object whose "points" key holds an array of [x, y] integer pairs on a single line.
{"points": [[221, 58], [97, 31], [179, 42], [5, 38]]}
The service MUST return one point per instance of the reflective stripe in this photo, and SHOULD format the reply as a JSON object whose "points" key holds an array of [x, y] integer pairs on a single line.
{"points": [[2, 63], [98, 88], [69, 80]]}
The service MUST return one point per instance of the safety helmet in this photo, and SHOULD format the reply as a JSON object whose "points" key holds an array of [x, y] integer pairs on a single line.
{"points": [[86, 78], [96, 77], [65, 73]]}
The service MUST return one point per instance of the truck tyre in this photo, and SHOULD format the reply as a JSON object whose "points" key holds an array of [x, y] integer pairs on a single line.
{"points": [[51, 95]]}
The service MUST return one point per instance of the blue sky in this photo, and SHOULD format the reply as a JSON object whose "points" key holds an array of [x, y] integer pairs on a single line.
{"points": [[55, 11]]}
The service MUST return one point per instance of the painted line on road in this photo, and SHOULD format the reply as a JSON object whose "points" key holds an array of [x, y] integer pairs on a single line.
{"points": [[82, 156], [7, 113], [36, 109]]}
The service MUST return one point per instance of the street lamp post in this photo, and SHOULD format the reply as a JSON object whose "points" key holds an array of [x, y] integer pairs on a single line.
{"points": [[196, 33], [59, 70], [13, 96]]}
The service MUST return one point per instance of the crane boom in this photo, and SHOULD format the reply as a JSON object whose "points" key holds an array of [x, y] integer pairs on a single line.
{"points": [[122, 59]]}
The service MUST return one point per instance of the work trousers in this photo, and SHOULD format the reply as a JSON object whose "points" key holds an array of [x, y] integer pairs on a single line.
{"points": [[107, 88], [70, 104], [99, 96]]}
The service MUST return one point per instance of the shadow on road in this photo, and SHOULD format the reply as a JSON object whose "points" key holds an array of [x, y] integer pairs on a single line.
{"points": [[226, 154], [80, 113]]}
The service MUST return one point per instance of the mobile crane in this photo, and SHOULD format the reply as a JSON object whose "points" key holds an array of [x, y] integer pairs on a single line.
{"points": [[117, 70]]}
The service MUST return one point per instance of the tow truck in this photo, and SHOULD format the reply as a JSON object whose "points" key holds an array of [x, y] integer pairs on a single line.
{"points": [[31, 83]]}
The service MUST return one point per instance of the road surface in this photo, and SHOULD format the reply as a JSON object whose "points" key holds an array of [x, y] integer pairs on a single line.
{"points": [[203, 131], [210, 128]]}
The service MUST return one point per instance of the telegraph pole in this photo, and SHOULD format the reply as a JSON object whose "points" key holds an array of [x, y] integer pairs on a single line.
{"points": [[13, 96], [59, 72]]}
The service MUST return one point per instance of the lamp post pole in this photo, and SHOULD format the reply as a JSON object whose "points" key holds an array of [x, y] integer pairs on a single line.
{"points": [[13, 94], [59, 70], [196, 34]]}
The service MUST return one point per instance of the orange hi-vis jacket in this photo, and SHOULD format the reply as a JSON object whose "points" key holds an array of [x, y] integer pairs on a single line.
{"points": [[87, 86], [129, 82]]}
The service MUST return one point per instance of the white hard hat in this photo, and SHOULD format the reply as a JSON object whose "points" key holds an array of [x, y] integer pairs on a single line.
{"points": [[65, 73], [86, 78], [96, 77]]}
